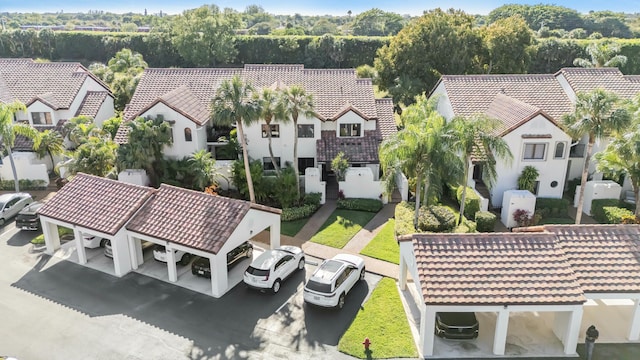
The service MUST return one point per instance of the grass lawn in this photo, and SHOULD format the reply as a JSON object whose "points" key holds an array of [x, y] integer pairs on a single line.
{"points": [[382, 319], [384, 246], [341, 226], [291, 228]]}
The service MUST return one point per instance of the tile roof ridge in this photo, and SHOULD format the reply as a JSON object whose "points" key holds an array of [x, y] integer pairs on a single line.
{"points": [[121, 183]]}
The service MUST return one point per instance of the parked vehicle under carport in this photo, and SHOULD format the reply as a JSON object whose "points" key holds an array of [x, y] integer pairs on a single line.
{"points": [[202, 267], [457, 325]]}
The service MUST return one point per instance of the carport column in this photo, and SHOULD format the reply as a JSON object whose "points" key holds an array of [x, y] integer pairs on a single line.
{"points": [[427, 329], [171, 264], [403, 273], [82, 254], [500, 337], [219, 275], [274, 234], [51, 237], [573, 330], [135, 251], [634, 332]]}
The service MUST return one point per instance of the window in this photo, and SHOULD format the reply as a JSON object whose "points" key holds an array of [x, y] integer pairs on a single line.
{"points": [[275, 130], [268, 165], [559, 150], [305, 131], [187, 134], [534, 151], [304, 163], [350, 129], [41, 118]]}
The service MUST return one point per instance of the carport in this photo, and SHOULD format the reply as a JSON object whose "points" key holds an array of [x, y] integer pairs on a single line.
{"points": [[202, 225], [94, 206], [498, 273]]}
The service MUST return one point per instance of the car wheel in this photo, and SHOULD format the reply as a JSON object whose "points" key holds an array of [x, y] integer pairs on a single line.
{"points": [[103, 242], [250, 253], [301, 264], [362, 273], [276, 286], [340, 301], [185, 259]]}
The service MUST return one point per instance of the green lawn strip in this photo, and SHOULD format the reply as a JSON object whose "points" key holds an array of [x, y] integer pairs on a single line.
{"points": [[384, 245], [341, 226], [382, 319], [291, 228]]}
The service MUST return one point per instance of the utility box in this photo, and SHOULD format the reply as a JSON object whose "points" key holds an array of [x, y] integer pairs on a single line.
{"points": [[597, 189], [515, 200]]}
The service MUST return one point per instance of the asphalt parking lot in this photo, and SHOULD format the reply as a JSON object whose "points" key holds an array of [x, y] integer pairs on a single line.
{"points": [[56, 309]]}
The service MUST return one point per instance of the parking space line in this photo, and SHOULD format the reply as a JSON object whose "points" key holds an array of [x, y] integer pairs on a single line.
{"points": [[288, 300], [15, 230]]}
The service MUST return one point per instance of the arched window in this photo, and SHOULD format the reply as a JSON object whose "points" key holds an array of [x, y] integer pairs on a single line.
{"points": [[559, 150], [187, 134]]}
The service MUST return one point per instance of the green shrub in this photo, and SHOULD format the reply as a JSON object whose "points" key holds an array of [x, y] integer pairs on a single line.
{"points": [[472, 202], [371, 205], [404, 218], [436, 219], [556, 208], [597, 208], [466, 227], [312, 199], [616, 215], [298, 212], [25, 184], [285, 192], [486, 221]]}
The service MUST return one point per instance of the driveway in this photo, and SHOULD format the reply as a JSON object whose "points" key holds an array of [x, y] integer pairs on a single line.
{"points": [[56, 309]]}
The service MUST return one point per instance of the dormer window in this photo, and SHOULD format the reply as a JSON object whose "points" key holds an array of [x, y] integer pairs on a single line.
{"points": [[41, 118], [352, 130]]}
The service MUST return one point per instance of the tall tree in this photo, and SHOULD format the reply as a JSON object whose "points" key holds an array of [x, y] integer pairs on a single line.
{"points": [[96, 156], [476, 137], [233, 105], [205, 36], [203, 169], [508, 44], [270, 103], [296, 102], [122, 73], [602, 54], [376, 22], [80, 128], [420, 150], [51, 143], [9, 129], [597, 115]]}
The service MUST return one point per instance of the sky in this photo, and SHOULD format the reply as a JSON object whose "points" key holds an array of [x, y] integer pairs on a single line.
{"points": [[304, 7]]}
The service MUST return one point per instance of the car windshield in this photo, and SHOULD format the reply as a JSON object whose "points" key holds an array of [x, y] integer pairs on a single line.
{"points": [[319, 287], [1, 205], [257, 272]]}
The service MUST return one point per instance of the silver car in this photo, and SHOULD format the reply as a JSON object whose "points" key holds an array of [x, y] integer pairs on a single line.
{"points": [[11, 204]]}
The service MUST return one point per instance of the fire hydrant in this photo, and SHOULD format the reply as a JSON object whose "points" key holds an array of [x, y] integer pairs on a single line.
{"points": [[366, 344]]}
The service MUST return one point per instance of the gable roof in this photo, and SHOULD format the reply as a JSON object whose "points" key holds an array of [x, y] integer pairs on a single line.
{"points": [[92, 103], [610, 79], [96, 203], [512, 113], [56, 83], [605, 258], [471, 94], [386, 120], [191, 218], [494, 269], [356, 149]]}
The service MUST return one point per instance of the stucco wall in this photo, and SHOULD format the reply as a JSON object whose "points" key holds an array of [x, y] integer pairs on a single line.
{"points": [[359, 183], [180, 147], [28, 167]]}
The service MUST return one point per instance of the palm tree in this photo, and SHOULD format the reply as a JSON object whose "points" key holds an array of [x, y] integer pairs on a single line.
{"points": [[9, 130], [476, 136], [603, 54], [271, 109], [597, 114], [51, 143], [233, 104], [296, 102], [80, 129], [420, 150], [202, 168], [97, 156]]}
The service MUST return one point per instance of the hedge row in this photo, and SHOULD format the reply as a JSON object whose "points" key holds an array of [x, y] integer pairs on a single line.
{"points": [[404, 218], [311, 203], [485, 221], [556, 208], [370, 205], [598, 205], [436, 219], [617, 215], [24, 184]]}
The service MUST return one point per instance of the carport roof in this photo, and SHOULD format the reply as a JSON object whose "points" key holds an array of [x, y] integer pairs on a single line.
{"points": [[192, 218], [494, 269], [96, 203], [605, 258]]}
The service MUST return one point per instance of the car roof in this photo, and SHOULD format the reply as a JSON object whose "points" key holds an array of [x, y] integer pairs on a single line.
{"points": [[33, 207], [268, 258], [327, 271], [458, 318], [7, 197]]}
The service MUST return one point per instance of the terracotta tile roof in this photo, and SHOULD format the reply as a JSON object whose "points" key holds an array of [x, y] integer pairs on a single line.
{"points": [[191, 218], [91, 103], [633, 78], [184, 101], [610, 79], [512, 113], [96, 203], [494, 269], [24, 144], [357, 149], [386, 120], [471, 94], [606, 258], [56, 83]]}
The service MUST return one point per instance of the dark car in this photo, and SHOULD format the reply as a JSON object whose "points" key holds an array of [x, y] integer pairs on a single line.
{"points": [[460, 325], [201, 266], [28, 218]]}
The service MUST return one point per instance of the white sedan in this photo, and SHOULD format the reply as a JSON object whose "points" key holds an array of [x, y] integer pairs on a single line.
{"points": [[272, 267]]}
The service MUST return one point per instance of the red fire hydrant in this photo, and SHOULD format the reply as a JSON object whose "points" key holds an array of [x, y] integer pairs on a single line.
{"points": [[366, 344]]}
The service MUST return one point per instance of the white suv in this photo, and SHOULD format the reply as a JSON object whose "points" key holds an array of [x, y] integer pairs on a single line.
{"points": [[272, 267], [333, 280], [160, 254]]}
